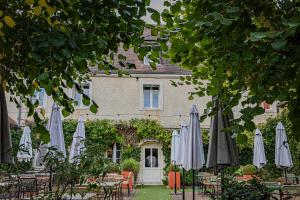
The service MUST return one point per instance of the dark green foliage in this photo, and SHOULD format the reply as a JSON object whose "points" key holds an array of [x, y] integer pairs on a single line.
{"points": [[268, 130], [251, 190], [131, 151], [113, 168], [240, 51], [51, 44]]}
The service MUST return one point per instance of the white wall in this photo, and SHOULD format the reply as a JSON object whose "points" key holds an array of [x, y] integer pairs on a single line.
{"points": [[120, 98]]}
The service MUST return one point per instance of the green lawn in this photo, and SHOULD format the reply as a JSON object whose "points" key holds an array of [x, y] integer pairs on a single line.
{"points": [[153, 192]]}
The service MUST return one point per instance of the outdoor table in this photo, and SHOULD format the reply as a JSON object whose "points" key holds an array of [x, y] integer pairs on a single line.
{"points": [[110, 186]]}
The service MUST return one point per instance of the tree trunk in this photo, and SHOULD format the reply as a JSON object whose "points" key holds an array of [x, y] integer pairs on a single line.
{"points": [[5, 136]]}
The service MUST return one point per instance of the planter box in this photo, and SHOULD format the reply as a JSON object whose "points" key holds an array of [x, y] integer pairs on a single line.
{"points": [[245, 177], [171, 180], [125, 175]]}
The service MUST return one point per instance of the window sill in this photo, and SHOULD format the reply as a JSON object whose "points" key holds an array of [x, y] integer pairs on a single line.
{"points": [[81, 107], [151, 109]]}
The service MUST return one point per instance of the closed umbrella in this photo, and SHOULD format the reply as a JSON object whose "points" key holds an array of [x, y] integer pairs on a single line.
{"points": [[5, 136], [222, 150], [283, 158], [175, 147], [194, 154], [182, 143], [174, 153], [56, 130], [181, 150], [259, 157], [25, 152], [77, 146]]}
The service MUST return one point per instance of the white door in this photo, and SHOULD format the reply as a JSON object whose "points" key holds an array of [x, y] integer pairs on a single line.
{"points": [[152, 164]]}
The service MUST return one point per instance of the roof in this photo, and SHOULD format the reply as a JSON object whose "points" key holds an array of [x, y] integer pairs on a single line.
{"points": [[140, 68]]}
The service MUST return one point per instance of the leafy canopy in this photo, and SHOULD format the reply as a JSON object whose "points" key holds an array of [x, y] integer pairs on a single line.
{"points": [[52, 43], [240, 51]]}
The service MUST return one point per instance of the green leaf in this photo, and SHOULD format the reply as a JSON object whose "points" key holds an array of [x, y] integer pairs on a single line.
{"points": [[121, 57], [66, 53], [44, 76], [44, 133], [154, 32], [176, 7], [65, 113], [255, 36], [225, 21], [85, 100], [94, 108], [242, 138], [167, 3], [279, 44], [156, 17], [232, 9]]}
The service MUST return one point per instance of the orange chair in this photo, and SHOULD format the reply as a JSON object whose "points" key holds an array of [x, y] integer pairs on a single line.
{"points": [[127, 181]]}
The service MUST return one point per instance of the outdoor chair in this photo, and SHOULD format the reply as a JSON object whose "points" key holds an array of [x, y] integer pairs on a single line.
{"points": [[126, 181], [27, 187], [9, 190], [290, 192]]}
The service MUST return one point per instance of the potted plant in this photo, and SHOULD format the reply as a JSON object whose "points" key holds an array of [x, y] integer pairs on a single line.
{"points": [[246, 172], [130, 169], [171, 177]]}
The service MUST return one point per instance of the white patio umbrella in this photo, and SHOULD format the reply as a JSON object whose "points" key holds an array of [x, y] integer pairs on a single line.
{"points": [[259, 157], [181, 150], [77, 146], [194, 153], [56, 130], [182, 143], [174, 152], [25, 152], [283, 158], [175, 147]]}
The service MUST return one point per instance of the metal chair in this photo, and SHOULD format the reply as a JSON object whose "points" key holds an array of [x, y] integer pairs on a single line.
{"points": [[28, 187]]}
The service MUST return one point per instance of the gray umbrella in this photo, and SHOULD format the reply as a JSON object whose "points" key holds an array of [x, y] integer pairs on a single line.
{"points": [[194, 154], [5, 137], [222, 150]]}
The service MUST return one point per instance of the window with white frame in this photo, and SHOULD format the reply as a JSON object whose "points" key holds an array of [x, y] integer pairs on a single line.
{"points": [[86, 87], [114, 153], [40, 96], [151, 96]]}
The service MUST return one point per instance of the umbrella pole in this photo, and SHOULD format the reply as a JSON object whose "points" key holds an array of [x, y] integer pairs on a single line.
{"points": [[175, 188], [183, 183], [285, 175], [193, 184], [50, 180]]}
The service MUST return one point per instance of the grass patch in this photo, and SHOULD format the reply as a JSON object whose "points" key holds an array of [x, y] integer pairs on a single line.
{"points": [[153, 192]]}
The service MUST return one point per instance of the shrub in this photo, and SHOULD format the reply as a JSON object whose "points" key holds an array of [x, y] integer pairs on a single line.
{"points": [[252, 190], [172, 168], [113, 168], [130, 165], [249, 170]]}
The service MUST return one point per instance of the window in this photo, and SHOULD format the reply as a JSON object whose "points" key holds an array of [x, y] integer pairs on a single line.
{"points": [[265, 105], [151, 96], [40, 96], [151, 157], [86, 87], [114, 153]]}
